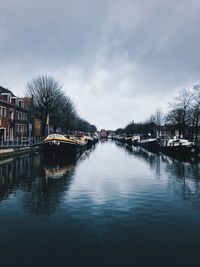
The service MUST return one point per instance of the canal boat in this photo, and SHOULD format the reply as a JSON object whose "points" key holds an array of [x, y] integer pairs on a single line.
{"points": [[60, 144], [96, 137], [178, 147], [128, 140], [121, 138], [135, 140], [89, 140], [151, 144]]}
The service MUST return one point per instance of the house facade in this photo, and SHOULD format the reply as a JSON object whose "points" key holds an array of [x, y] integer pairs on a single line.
{"points": [[167, 131], [13, 115]]}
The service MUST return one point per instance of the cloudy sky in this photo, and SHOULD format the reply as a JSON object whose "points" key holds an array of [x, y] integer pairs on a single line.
{"points": [[119, 60]]}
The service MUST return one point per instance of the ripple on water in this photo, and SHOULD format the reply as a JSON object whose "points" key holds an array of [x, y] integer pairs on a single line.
{"points": [[132, 204]]}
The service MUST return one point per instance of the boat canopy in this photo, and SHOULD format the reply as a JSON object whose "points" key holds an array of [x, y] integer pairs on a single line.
{"points": [[55, 136]]}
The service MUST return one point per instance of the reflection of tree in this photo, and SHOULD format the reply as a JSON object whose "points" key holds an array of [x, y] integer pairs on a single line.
{"points": [[41, 193], [183, 176], [185, 180], [43, 180], [45, 195], [152, 159], [46, 191]]}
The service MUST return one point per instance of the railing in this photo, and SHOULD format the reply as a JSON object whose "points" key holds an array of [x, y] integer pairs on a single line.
{"points": [[20, 141]]}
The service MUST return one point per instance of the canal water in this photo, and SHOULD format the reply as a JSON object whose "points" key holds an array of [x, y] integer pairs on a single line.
{"points": [[113, 206]]}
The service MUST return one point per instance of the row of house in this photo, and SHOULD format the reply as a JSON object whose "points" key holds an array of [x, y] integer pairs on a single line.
{"points": [[15, 119]]}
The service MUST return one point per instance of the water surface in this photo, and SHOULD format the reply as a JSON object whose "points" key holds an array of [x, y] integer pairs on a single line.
{"points": [[114, 206]]}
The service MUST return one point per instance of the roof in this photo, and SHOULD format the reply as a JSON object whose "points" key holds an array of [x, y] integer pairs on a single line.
{"points": [[4, 90], [168, 127]]}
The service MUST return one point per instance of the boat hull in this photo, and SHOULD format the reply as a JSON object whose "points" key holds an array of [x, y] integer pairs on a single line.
{"points": [[181, 151], [129, 141], [62, 148], [90, 143], [150, 145]]}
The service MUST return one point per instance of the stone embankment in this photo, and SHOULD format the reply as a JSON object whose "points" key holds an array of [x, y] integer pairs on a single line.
{"points": [[16, 150]]}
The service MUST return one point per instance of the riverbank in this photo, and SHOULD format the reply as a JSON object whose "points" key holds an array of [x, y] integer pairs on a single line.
{"points": [[16, 150]]}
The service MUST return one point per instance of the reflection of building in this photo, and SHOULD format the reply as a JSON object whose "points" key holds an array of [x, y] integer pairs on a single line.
{"points": [[13, 115]]}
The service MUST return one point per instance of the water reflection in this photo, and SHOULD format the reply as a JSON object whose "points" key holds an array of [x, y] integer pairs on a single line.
{"points": [[58, 167], [114, 200], [46, 190], [183, 177], [16, 173], [43, 180]]}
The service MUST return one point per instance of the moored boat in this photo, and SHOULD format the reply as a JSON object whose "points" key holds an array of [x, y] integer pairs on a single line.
{"points": [[128, 140], [178, 147], [96, 137], [121, 138], [89, 140], [135, 139], [60, 144], [151, 144]]}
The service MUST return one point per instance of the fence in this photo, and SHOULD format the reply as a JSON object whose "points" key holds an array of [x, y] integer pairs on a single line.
{"points": [[21, 141]]}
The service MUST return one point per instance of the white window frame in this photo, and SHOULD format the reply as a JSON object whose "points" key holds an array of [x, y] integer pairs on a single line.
{"points": [[8, 96], [1, 113]]}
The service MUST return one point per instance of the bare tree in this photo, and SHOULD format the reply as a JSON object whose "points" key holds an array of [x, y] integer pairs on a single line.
{"points": [[179, 111], [158, 117], [46, 94], [151, 119], [64, 115], [48, 99], [195, 110]]}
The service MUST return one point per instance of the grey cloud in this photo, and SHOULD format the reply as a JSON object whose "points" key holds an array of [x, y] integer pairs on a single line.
{"points": [[56, 32], [117, 50], [164, 45]]}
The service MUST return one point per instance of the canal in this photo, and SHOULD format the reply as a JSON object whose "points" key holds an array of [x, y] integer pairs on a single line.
{"points": [[113, 206]]}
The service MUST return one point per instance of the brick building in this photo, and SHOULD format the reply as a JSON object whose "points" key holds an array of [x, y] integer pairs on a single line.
{"points": [[13, 115]]}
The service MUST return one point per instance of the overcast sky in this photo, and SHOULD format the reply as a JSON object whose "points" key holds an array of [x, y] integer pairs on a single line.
{"points": [[119, 60]]}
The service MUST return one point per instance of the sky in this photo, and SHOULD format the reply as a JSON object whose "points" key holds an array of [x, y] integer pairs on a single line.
{"points": [[119, 60]]}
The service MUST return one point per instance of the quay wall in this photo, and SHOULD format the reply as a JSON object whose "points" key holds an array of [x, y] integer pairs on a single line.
{"points": [[10, 151]]}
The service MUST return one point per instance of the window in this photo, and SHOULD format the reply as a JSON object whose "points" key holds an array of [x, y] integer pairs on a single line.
{"points": [[6, 96], [21, 116], [2, 111], [21, 103], [17, 128], [13, 100]]}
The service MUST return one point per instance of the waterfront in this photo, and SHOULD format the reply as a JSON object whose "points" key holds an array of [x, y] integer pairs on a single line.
{"points": [[114, 206]]}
